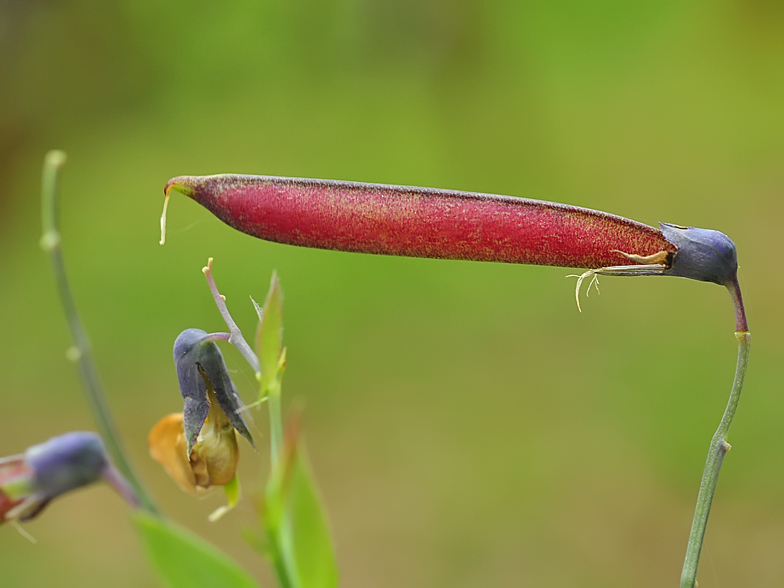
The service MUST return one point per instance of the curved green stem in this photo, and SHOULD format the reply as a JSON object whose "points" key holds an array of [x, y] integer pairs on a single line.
{"points": [[81, 351], [718, 448]]}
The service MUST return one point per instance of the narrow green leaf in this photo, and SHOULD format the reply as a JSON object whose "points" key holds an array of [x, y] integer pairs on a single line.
{"points": [[269, 336], [296, 523], [183, 560]]}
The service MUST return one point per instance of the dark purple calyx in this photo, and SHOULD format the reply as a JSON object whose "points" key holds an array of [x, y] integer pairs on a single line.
{"points": [[67, 462], [199, 362], [703, 254]]}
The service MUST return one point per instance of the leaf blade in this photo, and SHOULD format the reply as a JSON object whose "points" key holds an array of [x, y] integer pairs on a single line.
{"points": [[183, 560], [296, 522]]}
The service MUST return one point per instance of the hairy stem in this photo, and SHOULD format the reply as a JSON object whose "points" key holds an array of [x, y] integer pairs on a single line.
{"points": [[718, 448], [81, 351], [235, 338]]}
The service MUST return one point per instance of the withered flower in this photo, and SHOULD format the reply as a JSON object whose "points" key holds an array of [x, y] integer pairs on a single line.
{"points": [[198, 447]]}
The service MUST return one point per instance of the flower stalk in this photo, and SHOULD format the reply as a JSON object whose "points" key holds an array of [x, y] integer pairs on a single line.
{"points": [[81, 351], [235, 337], [718, 446]]}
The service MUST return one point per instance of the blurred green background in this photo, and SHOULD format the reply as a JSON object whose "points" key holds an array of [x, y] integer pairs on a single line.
{"points": [[467, 425]]}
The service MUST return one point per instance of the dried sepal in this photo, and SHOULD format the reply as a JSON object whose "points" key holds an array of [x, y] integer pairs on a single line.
{"points": [[167, 446]]}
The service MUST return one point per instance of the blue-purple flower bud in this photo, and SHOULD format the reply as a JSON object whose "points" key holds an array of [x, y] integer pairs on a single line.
{"points": [[45, 471], [66, 462]]}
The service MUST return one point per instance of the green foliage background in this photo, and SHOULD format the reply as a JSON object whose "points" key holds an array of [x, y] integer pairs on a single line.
{"points": [[467, 426]]}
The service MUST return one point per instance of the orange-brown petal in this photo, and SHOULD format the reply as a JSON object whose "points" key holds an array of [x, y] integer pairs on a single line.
{"points": [[167, 446]]}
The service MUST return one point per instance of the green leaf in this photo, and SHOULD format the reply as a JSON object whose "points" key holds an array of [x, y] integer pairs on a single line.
{"points": [[269, 337], [300, 544], [183, 560]]}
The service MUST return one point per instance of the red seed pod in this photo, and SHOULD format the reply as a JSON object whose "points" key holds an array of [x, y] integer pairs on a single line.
{"points": [[422, 222], [447, 224]]}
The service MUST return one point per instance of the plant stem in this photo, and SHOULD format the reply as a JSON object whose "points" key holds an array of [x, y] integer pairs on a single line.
{"points": [[718, 448], [81, 351], [741, 325], [276, 423]]}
